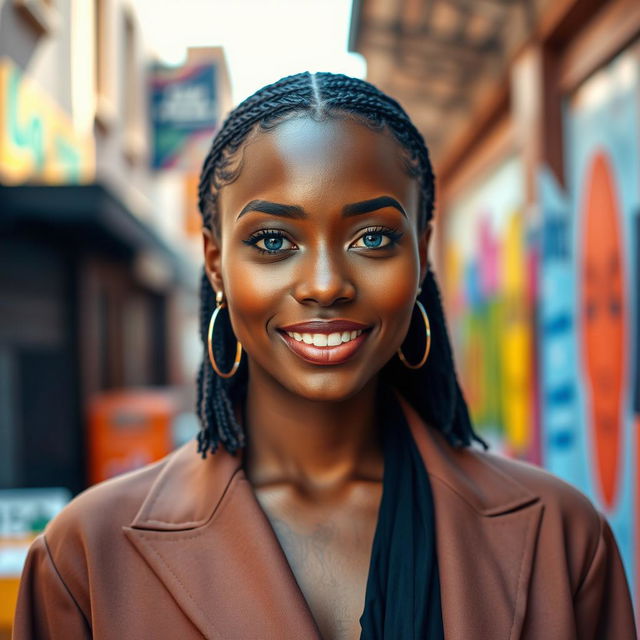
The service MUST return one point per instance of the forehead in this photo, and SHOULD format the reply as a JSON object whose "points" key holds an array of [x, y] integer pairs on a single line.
{"points": [[320, 164]]}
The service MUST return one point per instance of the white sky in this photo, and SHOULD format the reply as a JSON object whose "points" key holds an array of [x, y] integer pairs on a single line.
{"points": [[263, 39]]}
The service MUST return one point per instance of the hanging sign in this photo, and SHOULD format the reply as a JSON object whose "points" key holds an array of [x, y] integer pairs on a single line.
{"points": [[184, 114]]}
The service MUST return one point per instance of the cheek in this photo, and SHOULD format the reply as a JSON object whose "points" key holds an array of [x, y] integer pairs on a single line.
{"points": [[254, 293], [390, 290]]}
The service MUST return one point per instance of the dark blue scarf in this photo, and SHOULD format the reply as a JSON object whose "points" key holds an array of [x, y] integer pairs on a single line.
{"points": [[402, 600]]}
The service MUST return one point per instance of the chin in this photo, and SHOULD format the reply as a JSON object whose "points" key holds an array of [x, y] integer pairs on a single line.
{"points": [[315, 382], [327, 387]]}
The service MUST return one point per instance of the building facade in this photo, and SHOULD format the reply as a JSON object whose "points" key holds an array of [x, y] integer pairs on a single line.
{"points": [[99, 257], [98, 261]]}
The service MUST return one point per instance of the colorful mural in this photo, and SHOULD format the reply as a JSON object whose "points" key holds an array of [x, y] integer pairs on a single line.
{"points": [[604, 165], [588, 303], [38, 142], [545, 310], [488, 288]]}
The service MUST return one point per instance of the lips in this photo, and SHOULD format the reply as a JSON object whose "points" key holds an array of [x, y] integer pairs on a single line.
{"points": [[325, 342]]}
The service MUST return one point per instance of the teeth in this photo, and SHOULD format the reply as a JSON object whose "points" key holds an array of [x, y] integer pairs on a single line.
{"points": [[334, 339], [323, 339]]}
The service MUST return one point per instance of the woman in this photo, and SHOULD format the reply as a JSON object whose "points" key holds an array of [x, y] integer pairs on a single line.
{"points": [[337, 494]]}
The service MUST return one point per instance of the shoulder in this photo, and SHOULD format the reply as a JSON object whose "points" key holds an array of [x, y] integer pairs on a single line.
{"points": [[85, 540], [570, 525], [101, 510], [569, 529], [178, 492], [555, 494], [492, 484], [575, 543]]}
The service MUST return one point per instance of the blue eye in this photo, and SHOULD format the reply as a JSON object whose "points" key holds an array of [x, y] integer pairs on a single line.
{"points": [[377, 239], [270, 241], [273, 243], [372, 240]]}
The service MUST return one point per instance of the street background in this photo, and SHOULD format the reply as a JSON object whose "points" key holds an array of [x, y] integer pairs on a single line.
{"points": [[531, 111]]}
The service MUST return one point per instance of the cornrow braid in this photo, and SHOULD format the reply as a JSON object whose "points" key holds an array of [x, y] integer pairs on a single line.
{"points": [[433, 390]]}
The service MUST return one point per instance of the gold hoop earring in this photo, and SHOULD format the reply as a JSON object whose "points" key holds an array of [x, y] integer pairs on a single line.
{"points": [[427, 328], [221, 304]]}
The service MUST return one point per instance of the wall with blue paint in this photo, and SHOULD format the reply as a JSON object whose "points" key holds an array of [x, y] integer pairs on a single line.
{"points": [[582, 252], [601, 121]]}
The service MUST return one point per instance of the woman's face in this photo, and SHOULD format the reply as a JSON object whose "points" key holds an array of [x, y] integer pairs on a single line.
{"points": [[319, 256]]}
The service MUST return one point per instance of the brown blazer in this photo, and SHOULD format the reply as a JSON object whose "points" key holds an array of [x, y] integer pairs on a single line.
{"points": [[181, 549]]}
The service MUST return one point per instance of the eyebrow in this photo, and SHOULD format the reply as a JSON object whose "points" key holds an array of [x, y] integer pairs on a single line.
{"points": [[367, 206], [274, 209], [296, 212]]}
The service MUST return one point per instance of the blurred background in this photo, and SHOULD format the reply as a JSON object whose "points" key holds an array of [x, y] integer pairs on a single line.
{"points": [[531, 109]]}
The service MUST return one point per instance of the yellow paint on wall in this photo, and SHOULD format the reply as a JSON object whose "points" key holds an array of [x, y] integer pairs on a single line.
{"points": [[452, 276], [516, 342], [38, 142]]}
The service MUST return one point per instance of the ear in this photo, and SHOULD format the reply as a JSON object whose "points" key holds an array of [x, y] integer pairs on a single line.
{"points": [[212, 259], [423, 250]]}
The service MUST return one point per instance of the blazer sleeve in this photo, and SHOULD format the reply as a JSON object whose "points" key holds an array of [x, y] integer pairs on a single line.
{"points": [[46, 609], [602, 603]]}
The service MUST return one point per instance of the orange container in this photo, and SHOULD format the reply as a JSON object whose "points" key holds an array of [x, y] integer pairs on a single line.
{"points": [[128, 429], [9, 584]]}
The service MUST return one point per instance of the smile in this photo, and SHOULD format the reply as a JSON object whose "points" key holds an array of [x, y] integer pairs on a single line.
{"points": [[325, 342]]}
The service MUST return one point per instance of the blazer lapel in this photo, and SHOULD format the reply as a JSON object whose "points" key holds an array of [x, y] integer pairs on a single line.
{"points": [[204, 535], [486, 530]]}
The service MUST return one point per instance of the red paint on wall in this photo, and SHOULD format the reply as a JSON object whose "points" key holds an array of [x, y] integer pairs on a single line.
{"points": [[603, 317]]}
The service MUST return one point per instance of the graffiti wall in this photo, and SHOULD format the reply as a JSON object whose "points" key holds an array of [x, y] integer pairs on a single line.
{"points": [[556, 320], [489, 291], [602, 195], [545, 309], [38, 142]]}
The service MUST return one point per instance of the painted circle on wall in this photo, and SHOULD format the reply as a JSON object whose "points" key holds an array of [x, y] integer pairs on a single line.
{"points": [[603, 320]]}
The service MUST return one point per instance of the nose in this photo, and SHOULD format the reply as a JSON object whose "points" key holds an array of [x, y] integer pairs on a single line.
{"points": [[323, 280]]}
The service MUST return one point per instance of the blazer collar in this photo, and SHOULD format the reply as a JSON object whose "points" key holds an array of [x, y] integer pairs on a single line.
{"points": [[472, 477], [203, 533], [487, 526]]}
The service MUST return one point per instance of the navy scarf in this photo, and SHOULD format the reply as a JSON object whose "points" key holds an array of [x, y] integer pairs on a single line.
{"points": [[402, 600]]}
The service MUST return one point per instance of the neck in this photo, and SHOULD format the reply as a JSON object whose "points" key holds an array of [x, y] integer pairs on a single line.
{"points": [[315, 445]]}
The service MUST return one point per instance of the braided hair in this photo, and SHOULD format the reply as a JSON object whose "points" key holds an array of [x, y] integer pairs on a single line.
{"points": [[432, 390]]}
